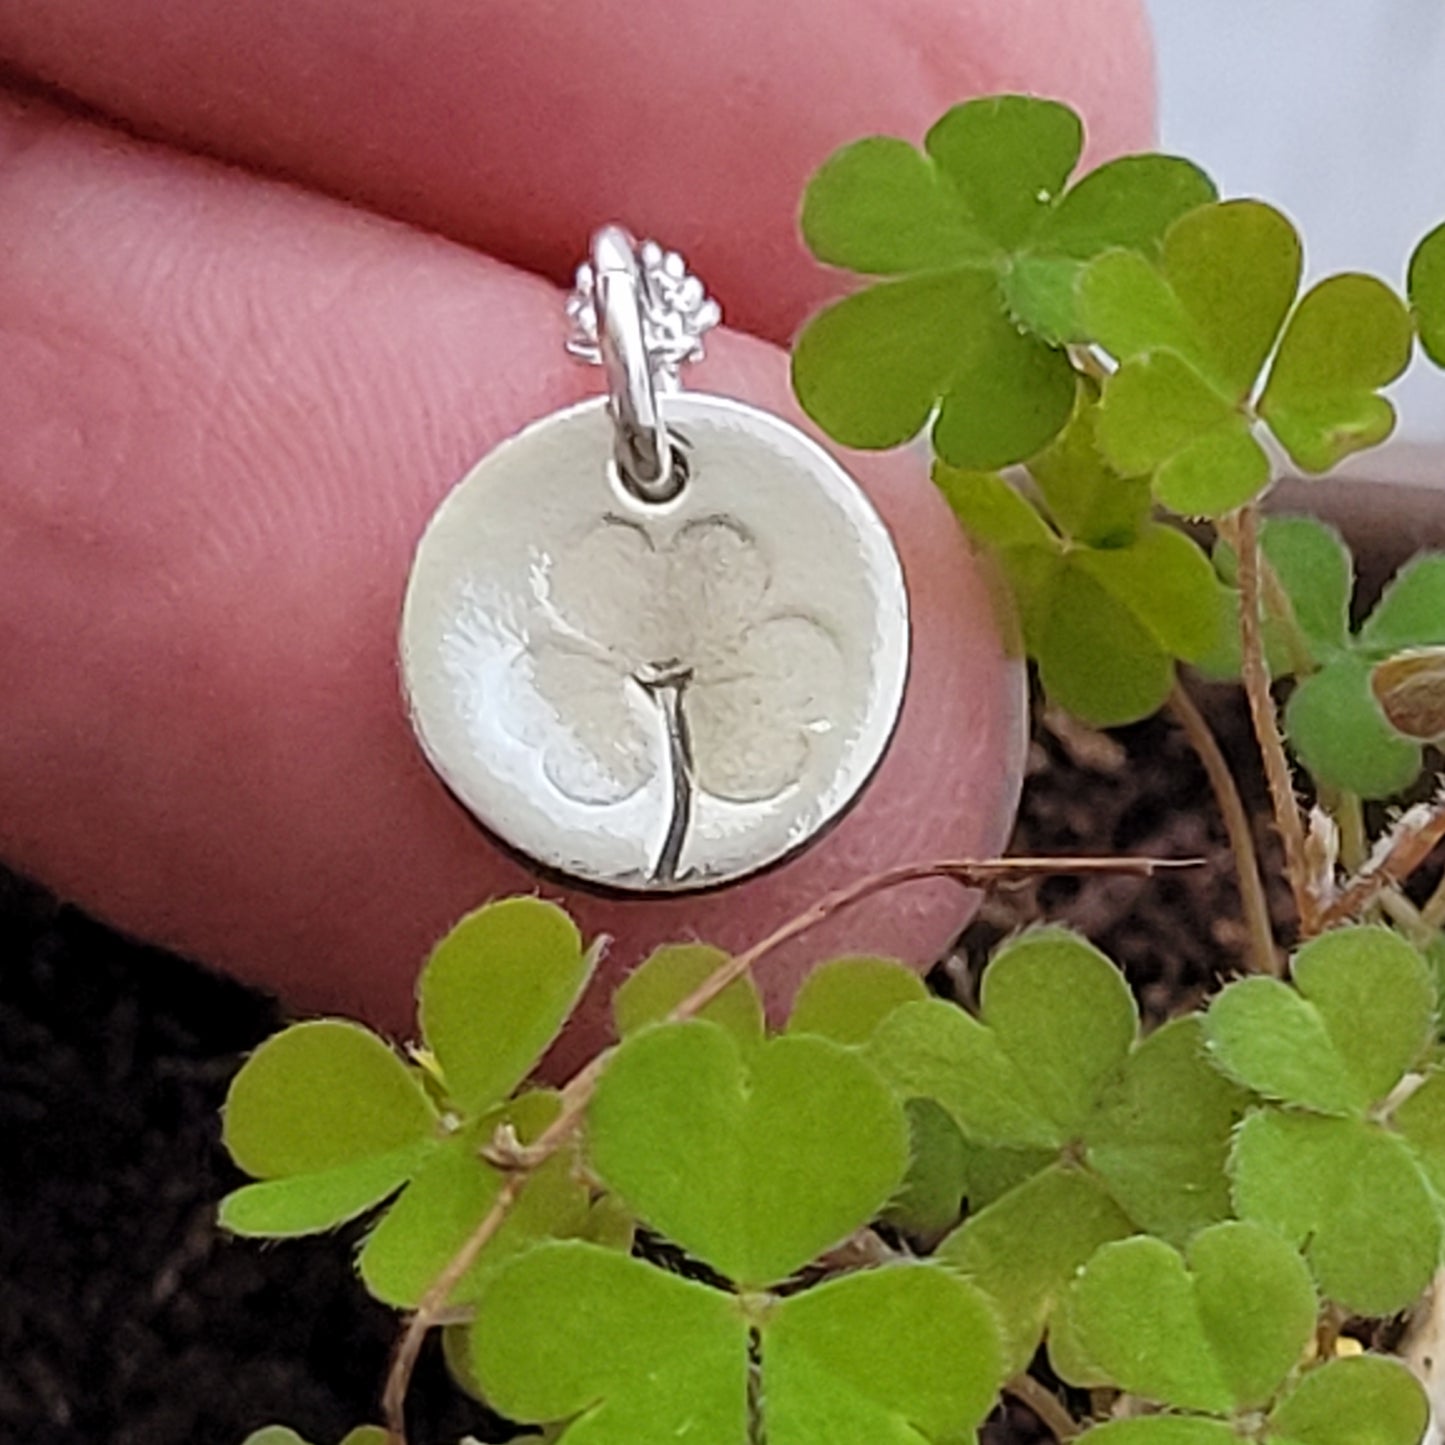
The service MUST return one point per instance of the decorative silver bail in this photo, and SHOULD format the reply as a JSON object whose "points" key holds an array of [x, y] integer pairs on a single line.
{"points": [[638, 313], [642, 447]]}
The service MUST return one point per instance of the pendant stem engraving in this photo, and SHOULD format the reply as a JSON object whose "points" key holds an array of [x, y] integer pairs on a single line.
{"points": [[665, 683]]}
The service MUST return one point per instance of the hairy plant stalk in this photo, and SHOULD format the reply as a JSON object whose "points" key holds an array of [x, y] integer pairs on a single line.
{"points": [[521, 1161], [1046, 1406], [1264, 955], [1266, 723]]}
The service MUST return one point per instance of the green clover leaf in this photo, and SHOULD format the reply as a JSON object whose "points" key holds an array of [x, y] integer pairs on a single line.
{"points": [[1361, 1013], [1365, 1400], [452, 1191], [1079, 1131], [1215, 1329], [1349, 336], [1023, 1249], [1328, 1169], [930, 1199], [1192, 335], [1087, 500], [908, 1353], [1056, 1021], [1315, 568], [1159, 1137], [1336, 718], [332, 1122], [1339, 731], [754, 1161], [982, 245], [650, 993], [1425, 285], [1364, 701], [495, 993], [845, 999], [1106, 624], [1351, 1194], [623, 1352], [1411, 611]]}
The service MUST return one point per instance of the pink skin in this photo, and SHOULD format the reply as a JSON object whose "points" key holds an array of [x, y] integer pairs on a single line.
{"points": [[229, 406]]}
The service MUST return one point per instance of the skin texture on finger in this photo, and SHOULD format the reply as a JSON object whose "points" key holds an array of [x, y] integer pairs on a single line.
{"points": [[518, 126], [230, 407]]}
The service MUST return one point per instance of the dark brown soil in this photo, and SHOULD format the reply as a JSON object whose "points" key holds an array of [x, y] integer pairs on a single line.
{"points": [[125, 1317]]}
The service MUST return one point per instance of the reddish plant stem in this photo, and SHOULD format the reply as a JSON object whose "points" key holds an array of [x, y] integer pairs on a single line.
{"points": [[1266, 724], [577, 1094], [1264, 956]]}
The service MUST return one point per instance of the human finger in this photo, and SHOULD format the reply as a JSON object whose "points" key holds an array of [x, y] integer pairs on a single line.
{"points": [[229, 408], [517, 127]]}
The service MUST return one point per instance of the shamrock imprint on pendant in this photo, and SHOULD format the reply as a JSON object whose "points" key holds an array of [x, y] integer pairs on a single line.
{"points": [[665, 653]]}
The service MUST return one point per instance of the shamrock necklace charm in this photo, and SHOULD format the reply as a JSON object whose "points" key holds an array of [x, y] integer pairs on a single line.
{"points": [[656, 641]]}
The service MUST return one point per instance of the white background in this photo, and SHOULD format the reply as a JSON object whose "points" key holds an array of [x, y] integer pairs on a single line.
{"points": [[1333, 110]]}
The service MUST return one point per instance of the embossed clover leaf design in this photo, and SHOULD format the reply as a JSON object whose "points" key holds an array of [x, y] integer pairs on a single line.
{"points": [[674, 650]]}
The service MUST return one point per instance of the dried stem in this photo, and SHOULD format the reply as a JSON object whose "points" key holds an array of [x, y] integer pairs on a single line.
{"points": [[1264, 956], [1415, 837], [1046, 1406], [1266, 724], [578, 1093]]}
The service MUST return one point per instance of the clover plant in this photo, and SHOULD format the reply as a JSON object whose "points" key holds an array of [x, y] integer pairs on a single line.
{"points": [[891, 1209]]}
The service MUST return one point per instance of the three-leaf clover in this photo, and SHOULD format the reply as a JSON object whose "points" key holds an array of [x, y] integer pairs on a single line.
{"points": [[1333, 1164], [1108, 601], [756, 1156], [756, 1160], [980, 242], [1351, 684], [622, 1352], [1109, 1133], [1191, 334], [332, 1122], [1216, 1335]]}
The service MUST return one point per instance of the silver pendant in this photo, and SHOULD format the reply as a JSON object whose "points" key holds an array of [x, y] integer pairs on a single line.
{"points": [[657, 641]]}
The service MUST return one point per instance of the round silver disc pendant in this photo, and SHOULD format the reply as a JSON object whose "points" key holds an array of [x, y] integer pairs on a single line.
{"points": [[656, 696]]}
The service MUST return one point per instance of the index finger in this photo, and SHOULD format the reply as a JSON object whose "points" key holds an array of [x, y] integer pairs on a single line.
{"points": [[518, 126]]}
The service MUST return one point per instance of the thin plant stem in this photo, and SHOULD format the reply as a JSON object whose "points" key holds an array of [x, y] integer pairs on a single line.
{"points": [[1433, 909], [1405, 916], [1264, 955], [1046, 1406], [1349, 813], [1266, 723], [521, 1161]]}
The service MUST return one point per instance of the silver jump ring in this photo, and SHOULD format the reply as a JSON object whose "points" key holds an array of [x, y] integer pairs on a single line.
{"points": [[642, 447]]}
